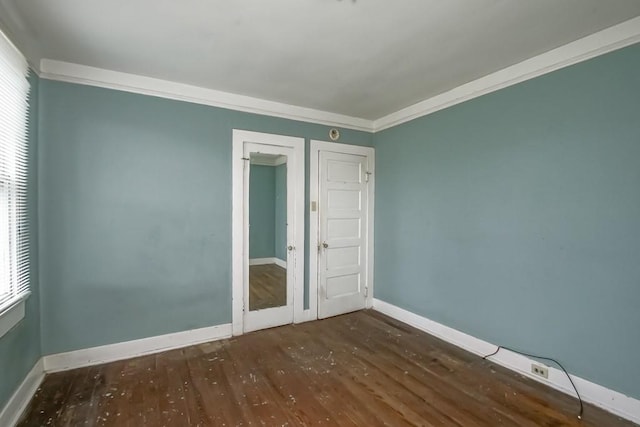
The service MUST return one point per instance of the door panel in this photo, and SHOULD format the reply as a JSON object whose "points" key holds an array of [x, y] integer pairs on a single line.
{"points": [[348, 257], [268, 286], [339, 171], [342, 220], [343, 286], [344, 228], [343, 200]]}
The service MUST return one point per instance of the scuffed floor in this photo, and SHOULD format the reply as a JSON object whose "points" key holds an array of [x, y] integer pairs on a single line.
{"points": [[360, 369]]}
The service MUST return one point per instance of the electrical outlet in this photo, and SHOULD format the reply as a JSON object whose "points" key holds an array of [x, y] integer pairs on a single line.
{"points": [[539, 370]]}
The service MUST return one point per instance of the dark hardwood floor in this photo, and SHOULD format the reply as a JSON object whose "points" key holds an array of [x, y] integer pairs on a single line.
{"points": [[267, 286], [360, 369]]}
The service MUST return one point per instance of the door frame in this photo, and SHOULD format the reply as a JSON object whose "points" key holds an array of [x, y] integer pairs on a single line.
{"points": [[240, 220], [314, 218]]}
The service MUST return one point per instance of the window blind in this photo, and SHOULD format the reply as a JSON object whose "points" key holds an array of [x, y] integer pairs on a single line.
{"points": [[14, 126]]}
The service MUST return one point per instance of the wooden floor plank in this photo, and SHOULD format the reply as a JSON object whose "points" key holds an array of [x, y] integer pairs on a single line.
{"points": [[360, 369], [78, 404], [267, 286]]}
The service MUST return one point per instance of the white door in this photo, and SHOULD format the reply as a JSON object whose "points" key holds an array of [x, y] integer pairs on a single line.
{"points": [[282, 312], [342, 245], [260, 297]]}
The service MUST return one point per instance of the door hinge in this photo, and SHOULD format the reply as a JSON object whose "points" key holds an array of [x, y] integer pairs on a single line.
{"points": [[366, 291], [367, 174]]}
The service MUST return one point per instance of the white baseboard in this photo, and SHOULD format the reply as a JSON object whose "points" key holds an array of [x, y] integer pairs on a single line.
{"points": [[264, 261], [307, 315], [16, 405], [610, 400], [135, 348], [20, 399]]}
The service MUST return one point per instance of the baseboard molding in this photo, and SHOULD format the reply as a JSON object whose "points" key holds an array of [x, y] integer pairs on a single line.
{"points": [[103, 354], [307, 315], [610, 400], [20, 399], [264, 261], [135, 348]]}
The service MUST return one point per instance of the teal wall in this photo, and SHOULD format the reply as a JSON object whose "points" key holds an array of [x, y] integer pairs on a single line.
{"points": [[20, 347], [281, 212], [262, 211], [135, 212], [515, 217]]}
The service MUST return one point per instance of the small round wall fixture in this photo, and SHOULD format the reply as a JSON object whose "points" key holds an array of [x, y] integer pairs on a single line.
{"points": [[334, 134]]}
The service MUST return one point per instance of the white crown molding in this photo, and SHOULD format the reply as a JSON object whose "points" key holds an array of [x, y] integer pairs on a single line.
{"points": [[610, 39], [82, 74], [10, 414], [128, 349], [610, 400]]}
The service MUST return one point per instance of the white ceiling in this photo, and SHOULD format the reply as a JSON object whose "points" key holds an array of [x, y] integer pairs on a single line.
{"points": [[361, 58]]}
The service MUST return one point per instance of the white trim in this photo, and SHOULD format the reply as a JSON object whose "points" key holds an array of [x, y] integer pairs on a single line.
{"points": [[240, 229], [280, 263], [103, 354], [268, 160], [307, 315], [12, 411], [616, 37], [314, 191], [263, 261], [237, 236], [83, 74], [128, 349], [607, 40], [11, 316], [610, 400]]}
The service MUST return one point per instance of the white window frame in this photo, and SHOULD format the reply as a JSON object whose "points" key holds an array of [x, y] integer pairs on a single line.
{"points": [[14, 222]]}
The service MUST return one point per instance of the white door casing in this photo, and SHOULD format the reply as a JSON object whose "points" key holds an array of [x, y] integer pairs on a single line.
{"points": [[245, 143], [341, 235]]}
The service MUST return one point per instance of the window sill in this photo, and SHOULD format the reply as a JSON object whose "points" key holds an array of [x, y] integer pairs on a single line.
{"points": [[12, 316]]}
